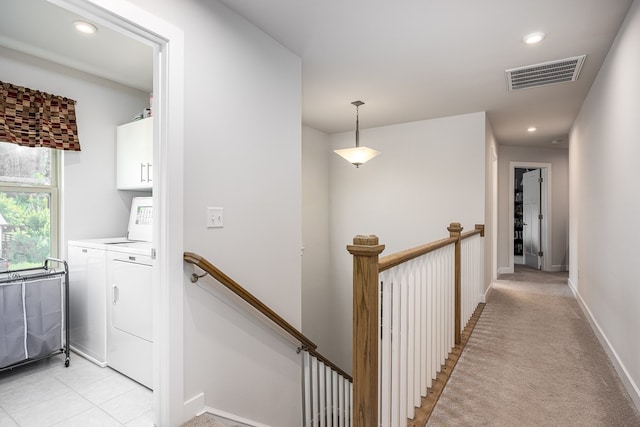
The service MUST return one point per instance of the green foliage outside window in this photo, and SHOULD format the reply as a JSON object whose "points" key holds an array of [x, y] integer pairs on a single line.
{"points": [[25, 204], [26, 238]]}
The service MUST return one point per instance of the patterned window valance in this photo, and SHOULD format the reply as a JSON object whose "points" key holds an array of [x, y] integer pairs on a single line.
{"points": [[36, 119]]}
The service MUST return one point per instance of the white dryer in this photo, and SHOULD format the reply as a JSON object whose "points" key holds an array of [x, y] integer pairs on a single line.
{"points": [[130, 311]]}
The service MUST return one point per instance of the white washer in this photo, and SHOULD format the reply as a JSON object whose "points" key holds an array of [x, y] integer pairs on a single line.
{"points": [[87, 262]]}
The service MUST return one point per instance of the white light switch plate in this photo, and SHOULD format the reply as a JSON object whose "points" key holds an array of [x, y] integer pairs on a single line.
{"points": [[215, 217]]}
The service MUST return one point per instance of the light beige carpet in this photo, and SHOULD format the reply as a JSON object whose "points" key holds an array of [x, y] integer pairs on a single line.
{"points": [[533, 360]]}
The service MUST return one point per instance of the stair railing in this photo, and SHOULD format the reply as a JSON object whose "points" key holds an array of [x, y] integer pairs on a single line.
{"points": [[409, 310], [327, 389]]}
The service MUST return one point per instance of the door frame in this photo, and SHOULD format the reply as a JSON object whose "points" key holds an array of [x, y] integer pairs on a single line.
{"points": [[167, 42], [545, 209]]}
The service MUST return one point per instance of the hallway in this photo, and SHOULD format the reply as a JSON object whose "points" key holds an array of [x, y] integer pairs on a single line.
{"points": [[533, 359]]}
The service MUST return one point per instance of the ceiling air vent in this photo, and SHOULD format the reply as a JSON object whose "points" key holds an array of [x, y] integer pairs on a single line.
{"points": [[560, 71]]}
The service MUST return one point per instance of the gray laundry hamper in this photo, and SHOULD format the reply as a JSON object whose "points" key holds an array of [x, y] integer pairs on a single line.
{"points": [[34, 314]]}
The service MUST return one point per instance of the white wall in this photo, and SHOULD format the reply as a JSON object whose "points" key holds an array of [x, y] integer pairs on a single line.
{"points": [[315, 236], [559, 215], [604, 153], [491, 207], [243, 153], [91, 205], [430, 173]]}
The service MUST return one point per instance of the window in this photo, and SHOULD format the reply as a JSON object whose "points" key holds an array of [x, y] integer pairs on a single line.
{"points": [[28, 205]]}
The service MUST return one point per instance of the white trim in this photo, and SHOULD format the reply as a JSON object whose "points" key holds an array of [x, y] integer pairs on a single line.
{"points": [[495, 195], [545, 208], [86, 356], [168, 101], [234, 418], [485, 297], [631, 387], [558, 268], [573, 287], [505, 270], [193, 407]]}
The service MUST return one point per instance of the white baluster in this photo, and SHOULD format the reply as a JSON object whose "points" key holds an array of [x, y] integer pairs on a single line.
{"points": [[322, 404], [395, 351], [315, 402], [411, 323], [385, 352], [308, 410], [423, 326]]}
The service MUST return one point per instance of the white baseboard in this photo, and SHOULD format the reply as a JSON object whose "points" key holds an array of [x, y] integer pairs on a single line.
{"points": [[193, 407], [574, 289], [235, 418], [505, 270], [196, 406], [88, 357], [558, 268], [630, 385], [485, 296]]}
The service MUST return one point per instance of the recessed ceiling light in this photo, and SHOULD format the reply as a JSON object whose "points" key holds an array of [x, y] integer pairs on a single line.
{"points": [[533, 38], [85, 27], [531, 129]]}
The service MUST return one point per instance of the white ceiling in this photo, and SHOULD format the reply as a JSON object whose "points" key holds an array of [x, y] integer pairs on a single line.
{"points": [[410, 60], [41, 29]]}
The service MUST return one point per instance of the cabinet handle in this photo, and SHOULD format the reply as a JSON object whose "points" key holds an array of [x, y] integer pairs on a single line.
{"points": [[141, 172], [149, 175], [116, 294]]}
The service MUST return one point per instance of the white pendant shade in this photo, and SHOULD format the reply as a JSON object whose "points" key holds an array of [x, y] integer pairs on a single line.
{"points": [[357, 155]]}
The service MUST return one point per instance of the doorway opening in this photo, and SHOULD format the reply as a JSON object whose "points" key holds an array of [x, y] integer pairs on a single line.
{"points": [[167, 42], [529, 215]]}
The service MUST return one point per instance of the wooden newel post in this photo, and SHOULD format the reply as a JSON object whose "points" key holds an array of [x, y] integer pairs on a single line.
{"points": [[365, 251], [455, 230]]}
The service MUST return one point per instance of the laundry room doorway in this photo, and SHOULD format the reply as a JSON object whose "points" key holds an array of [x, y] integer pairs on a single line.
{"points": [[529, 214], [167, 43]]}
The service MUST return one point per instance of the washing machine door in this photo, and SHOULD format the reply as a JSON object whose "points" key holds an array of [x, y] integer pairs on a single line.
{"points": [[131, 296]]}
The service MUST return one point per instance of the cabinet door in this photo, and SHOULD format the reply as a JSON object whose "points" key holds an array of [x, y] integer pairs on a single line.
{"points": [[88, 301], [131, 297], [135, 155]]}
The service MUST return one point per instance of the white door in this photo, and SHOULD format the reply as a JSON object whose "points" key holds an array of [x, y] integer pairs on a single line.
{"points": [[531, 216], [131, 309]]}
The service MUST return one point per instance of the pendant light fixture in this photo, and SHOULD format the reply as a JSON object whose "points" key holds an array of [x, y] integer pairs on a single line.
{"points": [[358, 155]]}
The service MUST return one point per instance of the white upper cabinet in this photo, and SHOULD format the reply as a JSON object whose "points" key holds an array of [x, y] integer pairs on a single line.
{"points": [[135, 155]]}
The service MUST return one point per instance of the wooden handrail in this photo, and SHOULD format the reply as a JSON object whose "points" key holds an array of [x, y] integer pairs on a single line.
{"points": [[234, 287], [478, 230], [398, 258]]}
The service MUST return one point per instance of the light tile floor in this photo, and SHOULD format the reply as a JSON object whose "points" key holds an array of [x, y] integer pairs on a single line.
{"points": [[45, 393]]}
